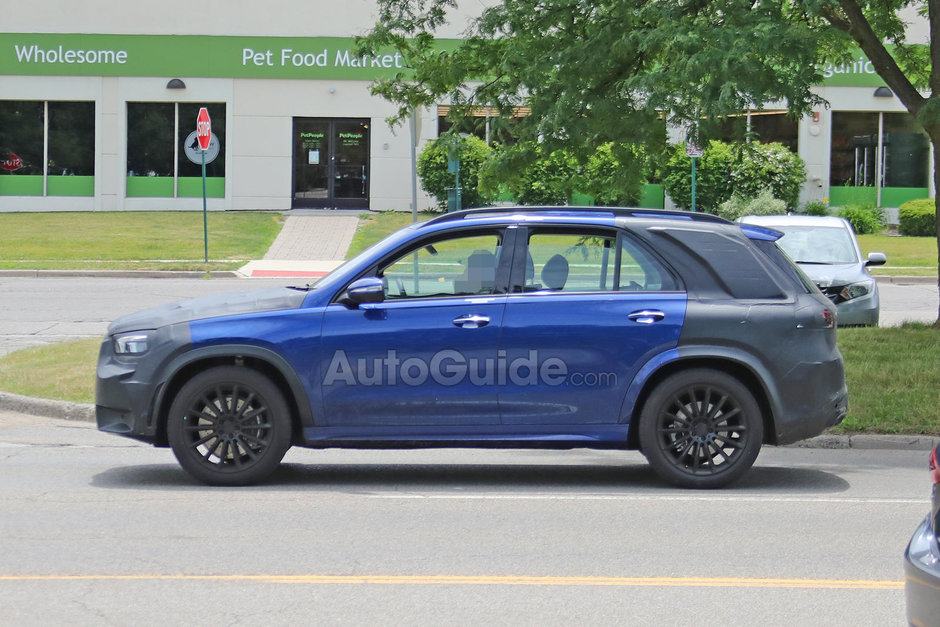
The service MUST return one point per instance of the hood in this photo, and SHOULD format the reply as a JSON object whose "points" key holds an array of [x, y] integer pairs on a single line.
{"points": [[210, 307], [829, 274]]}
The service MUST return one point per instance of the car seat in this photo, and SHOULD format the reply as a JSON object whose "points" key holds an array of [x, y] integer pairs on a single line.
{"points": [[555, 273]]}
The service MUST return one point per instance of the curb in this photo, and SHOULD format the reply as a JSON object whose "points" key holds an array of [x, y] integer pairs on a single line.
{"points": [[85, 412], [64, 410], [121, 274], [905, 280]]}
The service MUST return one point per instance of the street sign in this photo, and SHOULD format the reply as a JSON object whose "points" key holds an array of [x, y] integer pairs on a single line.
{"points": [[194, 152], [693, 150], [203, 128]]}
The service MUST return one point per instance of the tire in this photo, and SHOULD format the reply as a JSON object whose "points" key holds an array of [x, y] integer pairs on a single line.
{"points": [[229, 425], [701, 428]]}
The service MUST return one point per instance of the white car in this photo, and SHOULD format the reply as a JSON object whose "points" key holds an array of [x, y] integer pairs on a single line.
{"points": [[826, 249]]}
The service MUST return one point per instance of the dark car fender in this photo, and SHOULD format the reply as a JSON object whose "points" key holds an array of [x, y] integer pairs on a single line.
{"points": [[730, 359], [300, 401]]}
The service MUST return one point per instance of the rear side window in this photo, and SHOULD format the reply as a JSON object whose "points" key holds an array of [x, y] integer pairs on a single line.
{"points": [[785, 264], [727, 264]]}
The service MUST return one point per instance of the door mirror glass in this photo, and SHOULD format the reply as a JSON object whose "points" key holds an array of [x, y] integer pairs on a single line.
{"points": [[366, 290]]}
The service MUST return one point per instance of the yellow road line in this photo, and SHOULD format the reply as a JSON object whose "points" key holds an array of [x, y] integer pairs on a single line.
{"points": [[495, 580]]}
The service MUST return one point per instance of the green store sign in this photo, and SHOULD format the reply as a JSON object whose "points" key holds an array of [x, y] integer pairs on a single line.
{"points": [[192, 55], [333, 58]]}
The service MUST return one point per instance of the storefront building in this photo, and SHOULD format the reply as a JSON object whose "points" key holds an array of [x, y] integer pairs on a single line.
{"points": [[97, 112]]}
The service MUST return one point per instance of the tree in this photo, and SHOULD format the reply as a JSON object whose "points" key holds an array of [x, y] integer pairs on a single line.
{"points": [[594, 71]]}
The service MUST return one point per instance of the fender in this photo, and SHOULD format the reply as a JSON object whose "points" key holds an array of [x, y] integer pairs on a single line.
{"points": [[248, 350], [691, 352]]}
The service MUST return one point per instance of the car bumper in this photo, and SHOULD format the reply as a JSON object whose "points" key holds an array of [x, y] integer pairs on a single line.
{"points": [[126, 387], [814, 398], [859, 311], [922, 576]]}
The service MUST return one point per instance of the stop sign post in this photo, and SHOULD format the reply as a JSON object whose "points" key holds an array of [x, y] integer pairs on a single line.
{"points": [[204, 135]]}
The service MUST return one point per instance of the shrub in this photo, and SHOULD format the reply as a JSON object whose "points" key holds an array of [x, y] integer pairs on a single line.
{"points": [[816, 208], [614, 175], [436, 180], [864, 219], [712, 176], [918, 217], [764, 204], [758, 166]]}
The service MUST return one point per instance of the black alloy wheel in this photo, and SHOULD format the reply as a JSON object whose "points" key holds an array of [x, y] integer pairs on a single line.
{"points": [[229, 425], [701, 428]]}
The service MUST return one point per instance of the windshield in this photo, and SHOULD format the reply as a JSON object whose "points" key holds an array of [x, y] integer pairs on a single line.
{"points": [[814, 244]]}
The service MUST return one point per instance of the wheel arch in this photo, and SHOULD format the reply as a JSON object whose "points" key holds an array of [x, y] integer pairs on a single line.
{"points": [[262, 360], [736, 368]]}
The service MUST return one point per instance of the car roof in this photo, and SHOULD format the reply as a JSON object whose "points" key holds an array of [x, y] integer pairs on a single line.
{"points": [[795, 220], [587, 214]]}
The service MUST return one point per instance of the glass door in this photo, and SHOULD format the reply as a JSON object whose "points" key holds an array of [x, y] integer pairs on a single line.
{"points": [[331, 163]]}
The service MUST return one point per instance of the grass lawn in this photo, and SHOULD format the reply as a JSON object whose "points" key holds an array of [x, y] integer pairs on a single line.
{"points": [[908, 256], [892, 374], [375, 226], [130, 240]]}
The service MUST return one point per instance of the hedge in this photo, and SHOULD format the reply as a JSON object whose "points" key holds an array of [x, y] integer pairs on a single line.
{"points": [[918, 217]]}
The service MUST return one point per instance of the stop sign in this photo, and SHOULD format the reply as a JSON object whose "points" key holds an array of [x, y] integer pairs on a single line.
{"points": [[203, 128]]}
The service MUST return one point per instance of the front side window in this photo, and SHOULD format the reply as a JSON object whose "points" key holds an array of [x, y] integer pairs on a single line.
{"points": [[461, 266], [590, 262]]}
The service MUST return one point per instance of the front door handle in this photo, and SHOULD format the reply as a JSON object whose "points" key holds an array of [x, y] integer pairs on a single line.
{"points": [[471, 321], [647, 316]]}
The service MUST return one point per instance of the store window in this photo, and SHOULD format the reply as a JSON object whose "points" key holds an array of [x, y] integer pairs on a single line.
{"points": [[878, 158], [47, 148], [163, 159], [483, 122], [762, 126]]}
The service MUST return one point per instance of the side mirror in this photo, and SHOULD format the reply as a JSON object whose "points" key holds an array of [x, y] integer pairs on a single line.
{"points": [[368, 289], [876, 259]]}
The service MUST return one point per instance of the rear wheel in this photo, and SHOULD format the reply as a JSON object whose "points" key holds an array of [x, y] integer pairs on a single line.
{"points": [[229, 426], [701, 428]]}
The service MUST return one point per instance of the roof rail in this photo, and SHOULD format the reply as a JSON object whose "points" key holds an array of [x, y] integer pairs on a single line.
{"points": [[616, 211]]}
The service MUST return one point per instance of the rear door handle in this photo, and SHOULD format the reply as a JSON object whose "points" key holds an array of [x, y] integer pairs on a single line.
{"points": [[647, 316], [471, 321]]}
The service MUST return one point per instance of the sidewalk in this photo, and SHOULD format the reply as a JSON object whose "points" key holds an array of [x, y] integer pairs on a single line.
{"points": [[310, 244]]}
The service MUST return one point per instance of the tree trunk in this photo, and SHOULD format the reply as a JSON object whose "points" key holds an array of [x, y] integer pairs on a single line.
{"points": [[934, 134]]}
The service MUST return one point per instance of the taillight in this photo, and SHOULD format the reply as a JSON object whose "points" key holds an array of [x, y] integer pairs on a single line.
{"points": [[828, 319], [934, 467]]}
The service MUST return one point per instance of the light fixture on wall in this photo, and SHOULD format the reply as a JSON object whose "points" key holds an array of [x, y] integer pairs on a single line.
{"points": [[176, 83], [883, 92]]}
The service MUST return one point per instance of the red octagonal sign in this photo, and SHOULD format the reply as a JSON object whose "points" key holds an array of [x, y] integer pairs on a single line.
{"points": [[203, 128]]}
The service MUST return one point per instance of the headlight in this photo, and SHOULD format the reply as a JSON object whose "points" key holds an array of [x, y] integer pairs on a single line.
{"points": [[132, 343], [857, 290]]}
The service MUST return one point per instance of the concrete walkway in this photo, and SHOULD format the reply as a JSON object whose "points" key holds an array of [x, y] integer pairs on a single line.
{"points": [[311, 244]]}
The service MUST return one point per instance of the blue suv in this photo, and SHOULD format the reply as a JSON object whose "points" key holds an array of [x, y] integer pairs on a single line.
{"points": [[685, 336]]}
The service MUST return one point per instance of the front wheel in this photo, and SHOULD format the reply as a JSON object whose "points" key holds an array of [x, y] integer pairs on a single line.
{"points": [[229, 426], [701, 428]]}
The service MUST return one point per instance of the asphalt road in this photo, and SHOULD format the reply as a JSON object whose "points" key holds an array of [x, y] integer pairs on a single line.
{"points": [[96, 529], [40, 310]]}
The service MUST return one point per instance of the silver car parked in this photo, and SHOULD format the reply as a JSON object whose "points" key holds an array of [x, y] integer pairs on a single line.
{"points": [[827, 251]]}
